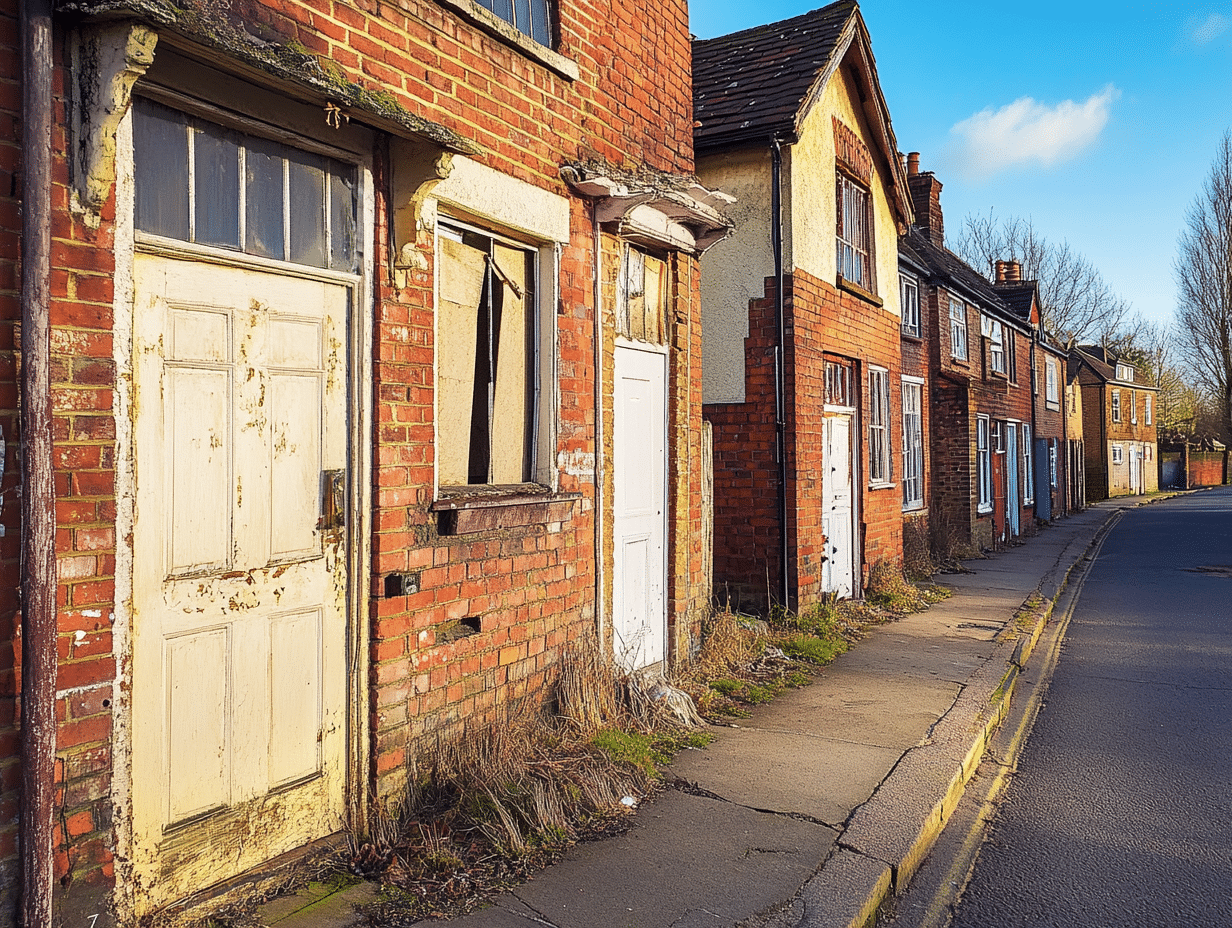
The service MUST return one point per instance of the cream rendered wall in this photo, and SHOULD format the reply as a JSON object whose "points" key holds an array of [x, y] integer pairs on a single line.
{"points": [[734, 271], [812, 218]]}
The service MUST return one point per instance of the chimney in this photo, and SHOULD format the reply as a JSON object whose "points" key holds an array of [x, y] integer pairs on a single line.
{"points": [[926, 199], [1009, 272]]}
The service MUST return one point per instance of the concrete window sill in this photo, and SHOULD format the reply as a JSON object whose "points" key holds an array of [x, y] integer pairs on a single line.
{"points": [[469, 510], [496, 27]]}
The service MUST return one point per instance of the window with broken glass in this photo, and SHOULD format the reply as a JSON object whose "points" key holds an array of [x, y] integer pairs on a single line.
{"points": [[641, 307], [486, 366], [195, 181], [839, 381], [855, 226]]}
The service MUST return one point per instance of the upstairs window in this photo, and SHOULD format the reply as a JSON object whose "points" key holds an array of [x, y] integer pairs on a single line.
{"points": [[958, 329], [1148, 409], [855, 239], [1053, 383], [531, 17], [991, 329], [1116, 405], [197, 182], [1125, 372], [909, 297], [878, 425], [1133, 407], [1011, 356]]}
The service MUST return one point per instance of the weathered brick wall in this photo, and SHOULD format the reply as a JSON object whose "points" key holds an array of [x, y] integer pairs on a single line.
{"points": [[746, 521], [1208, 468], [533, 586]]}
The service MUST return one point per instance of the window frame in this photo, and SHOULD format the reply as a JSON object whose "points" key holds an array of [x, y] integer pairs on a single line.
{"points": [[1118, 453], [861, 244], [536, 469], [958, 330], [1052, 388], [1150, 420], [1052, 463], [1028, 464], [1115, 401], [913, 442], [1133, 407], [880, 450], [909, 304], [996, 346], [983, 465]]}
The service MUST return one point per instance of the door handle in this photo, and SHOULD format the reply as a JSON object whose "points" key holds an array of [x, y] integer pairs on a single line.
{"points": [[333, 500]]}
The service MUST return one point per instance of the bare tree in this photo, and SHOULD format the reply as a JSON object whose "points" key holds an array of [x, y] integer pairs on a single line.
{"points": [[1203, 270], [1078, 303]]}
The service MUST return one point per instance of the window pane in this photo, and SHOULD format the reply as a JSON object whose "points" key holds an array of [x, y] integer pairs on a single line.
{"points": [[160, 152], [343, 245], [307, 202], [263, 193], [521, 14], [216, 183], [503, 9], [540, 27]]}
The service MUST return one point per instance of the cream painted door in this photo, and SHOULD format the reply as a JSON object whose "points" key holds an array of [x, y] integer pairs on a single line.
{"points": [[239, 586], [639, 602], [838, 510]]}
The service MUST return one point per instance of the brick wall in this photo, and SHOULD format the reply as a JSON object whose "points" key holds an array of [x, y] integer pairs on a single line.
{"points": [[820, 321], [532, 586], [1208, 468]]}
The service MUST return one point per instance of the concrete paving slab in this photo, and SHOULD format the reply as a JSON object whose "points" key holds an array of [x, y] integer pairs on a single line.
{"points": [[319, 907], [688, 861], [846, 893], [788, 772]]}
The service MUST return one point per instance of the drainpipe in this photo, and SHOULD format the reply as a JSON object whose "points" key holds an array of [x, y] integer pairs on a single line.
{"points": [[38, 556], [598, 470], [780, 399]]}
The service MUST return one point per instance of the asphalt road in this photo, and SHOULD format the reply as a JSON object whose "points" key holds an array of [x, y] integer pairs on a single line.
{"points": [[1120, 812]]}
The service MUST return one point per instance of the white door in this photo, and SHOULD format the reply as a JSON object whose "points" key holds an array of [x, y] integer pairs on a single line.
{"points": [[838, 510], [239, 582], [639, 594], [1013, 507], [1135, 468]]}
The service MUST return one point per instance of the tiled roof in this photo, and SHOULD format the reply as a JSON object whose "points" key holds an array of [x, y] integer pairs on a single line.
{"points": [[947, 266], [1018, 295], [752, 84]]}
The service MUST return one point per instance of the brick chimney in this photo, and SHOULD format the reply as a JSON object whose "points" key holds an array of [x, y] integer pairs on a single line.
{"points": [[1009, 272], [926, 198]]}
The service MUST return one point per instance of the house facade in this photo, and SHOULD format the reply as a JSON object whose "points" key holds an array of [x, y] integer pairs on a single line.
{"points": [[375, 365], [801, 342], [980, 355], [1118, 410]]}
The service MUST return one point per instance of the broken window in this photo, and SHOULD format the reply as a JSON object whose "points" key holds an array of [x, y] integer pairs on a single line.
{"points": [[485, 421], [196, 181], [838, 383], [642, 306], [855, 233], [913, 444], [530, 17]]}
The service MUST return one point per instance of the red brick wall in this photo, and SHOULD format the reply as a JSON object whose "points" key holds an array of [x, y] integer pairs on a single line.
{"points": [[534, 585], [820, 320], [1207, 468]]}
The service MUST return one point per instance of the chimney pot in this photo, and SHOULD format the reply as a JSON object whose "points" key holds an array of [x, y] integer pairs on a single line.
{"points": [[913, 163], [1000, 272], [1013, 271]]}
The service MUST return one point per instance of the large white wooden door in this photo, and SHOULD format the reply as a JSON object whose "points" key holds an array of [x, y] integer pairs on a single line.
{"points": [[639, 594], [239, 583], [838, 509]]}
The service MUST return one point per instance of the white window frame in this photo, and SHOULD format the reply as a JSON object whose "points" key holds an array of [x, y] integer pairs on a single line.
{"points": [[996, 345], [880, 453], [1011, 356], [1116, 405], [1133, 407], [1149, 416], [958, 329], [1052, 374], [1052, 463], [854, 233], [913, 442], [909, 299], [983, 465], [1125, 372], [1028, 465], [1118, 453]]}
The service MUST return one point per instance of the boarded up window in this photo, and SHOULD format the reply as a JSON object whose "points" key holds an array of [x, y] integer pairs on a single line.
{"points": [[485, 360], [642, 309]]}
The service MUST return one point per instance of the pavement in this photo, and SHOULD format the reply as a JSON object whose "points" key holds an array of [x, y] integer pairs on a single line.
{"points": [[820, 807]]}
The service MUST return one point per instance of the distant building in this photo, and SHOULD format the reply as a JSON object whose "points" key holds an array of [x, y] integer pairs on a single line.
{"points": [[1118, 410]]}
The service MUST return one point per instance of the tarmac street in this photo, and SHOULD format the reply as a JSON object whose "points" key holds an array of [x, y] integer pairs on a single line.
{"points": [[819, 807], [1119, 811]]}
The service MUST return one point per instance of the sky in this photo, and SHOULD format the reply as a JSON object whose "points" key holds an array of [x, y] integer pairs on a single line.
{"points": [[1096, 120]]}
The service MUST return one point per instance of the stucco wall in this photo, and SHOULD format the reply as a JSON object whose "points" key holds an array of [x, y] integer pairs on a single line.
{"points": [[734, 271]]}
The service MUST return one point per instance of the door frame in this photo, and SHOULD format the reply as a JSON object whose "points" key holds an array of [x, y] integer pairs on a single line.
{"points": [[359, 462], [855, 457], [663, 353]]}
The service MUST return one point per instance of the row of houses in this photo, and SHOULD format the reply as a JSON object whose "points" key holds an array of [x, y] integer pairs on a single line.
{"points": [[370, 353]]}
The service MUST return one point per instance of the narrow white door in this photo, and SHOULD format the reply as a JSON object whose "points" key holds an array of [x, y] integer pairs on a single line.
{"points": [[1013, 507], [838, 511], [239, 584], [1135, 469], [639, 594]]}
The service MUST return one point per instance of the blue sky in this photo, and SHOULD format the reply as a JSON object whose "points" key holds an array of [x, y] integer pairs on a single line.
{"points": [[1096, 120]]}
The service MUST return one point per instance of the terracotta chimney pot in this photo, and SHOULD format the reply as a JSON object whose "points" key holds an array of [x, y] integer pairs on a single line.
{"points": [[913, 163]]}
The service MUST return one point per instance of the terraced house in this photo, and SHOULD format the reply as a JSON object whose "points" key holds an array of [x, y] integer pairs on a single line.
{"points": [[802, 329], [375, 379]]}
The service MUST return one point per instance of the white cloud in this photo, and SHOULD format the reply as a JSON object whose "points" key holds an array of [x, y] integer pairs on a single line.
{"points": [[1205, 31], [1028, 132]]}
